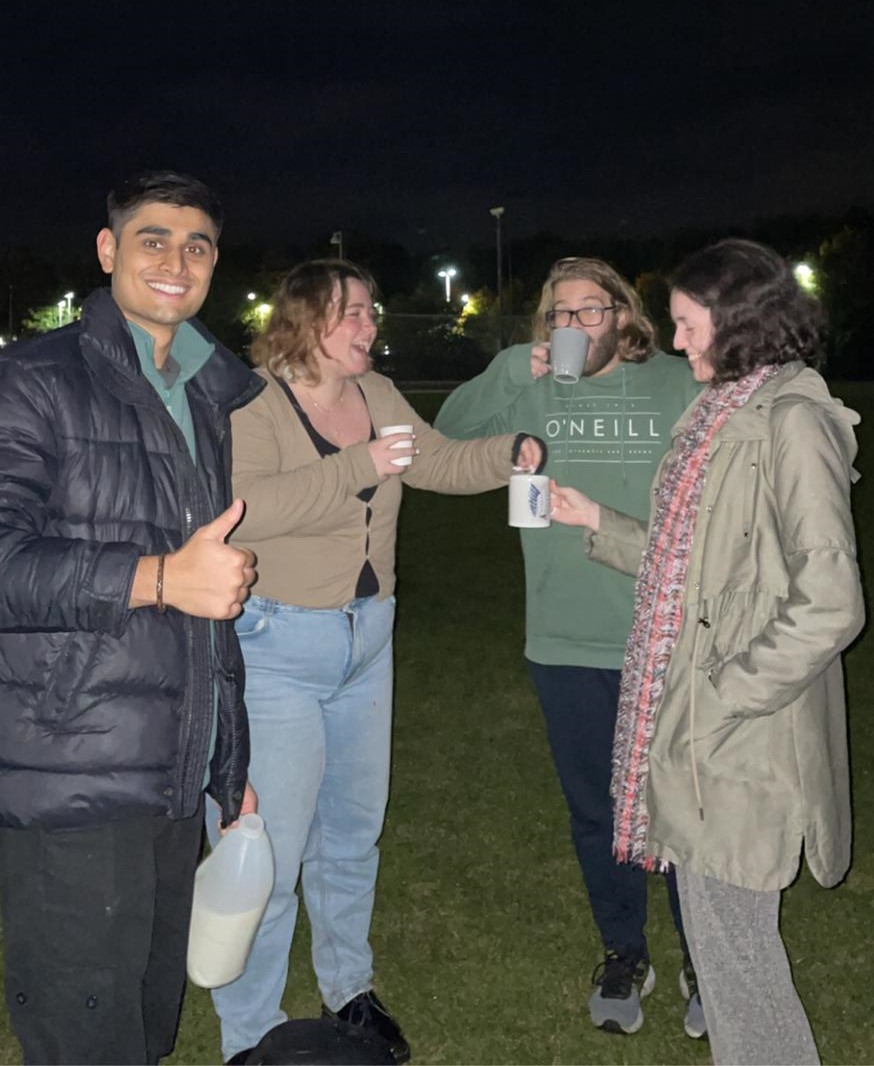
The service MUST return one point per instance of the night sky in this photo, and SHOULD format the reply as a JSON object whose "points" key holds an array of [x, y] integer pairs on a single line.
{"points": [[408, 121]]}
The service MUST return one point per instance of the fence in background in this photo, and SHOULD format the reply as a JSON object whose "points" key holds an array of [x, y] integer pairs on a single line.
{"points": [[416, 347]]}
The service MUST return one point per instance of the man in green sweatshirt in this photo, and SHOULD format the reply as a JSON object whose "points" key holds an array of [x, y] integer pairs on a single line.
{"points": [[606, 434]]}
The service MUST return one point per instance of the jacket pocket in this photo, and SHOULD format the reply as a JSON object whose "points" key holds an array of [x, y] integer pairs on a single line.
{"points": [[724, 744], [63, 704]]}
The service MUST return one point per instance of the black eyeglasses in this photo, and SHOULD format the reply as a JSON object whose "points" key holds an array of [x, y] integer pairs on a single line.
{"points": [[586, 316]]}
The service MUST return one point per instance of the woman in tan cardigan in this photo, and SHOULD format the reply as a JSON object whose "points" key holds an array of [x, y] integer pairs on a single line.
{"points": [[322, 493]]}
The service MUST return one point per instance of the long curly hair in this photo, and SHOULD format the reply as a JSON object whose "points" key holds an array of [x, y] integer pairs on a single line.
{"points": [[760, 313], [310, 298], [636, 338]]}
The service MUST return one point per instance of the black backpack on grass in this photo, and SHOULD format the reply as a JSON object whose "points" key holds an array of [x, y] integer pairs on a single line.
{"points": [[320, 1042]]}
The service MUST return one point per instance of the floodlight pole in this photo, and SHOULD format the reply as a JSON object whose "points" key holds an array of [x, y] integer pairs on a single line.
{"points": [[497, 214]]}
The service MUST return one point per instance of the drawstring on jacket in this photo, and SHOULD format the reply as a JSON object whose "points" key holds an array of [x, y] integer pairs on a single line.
{"points": [[703, 623]]}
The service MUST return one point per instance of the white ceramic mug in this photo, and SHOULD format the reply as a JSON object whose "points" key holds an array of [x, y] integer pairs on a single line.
{"points": [[529, 501], [568, 348], [387, 431]]}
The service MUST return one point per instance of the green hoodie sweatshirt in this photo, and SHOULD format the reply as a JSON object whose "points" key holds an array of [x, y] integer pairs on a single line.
{"points": [[606, 435]]}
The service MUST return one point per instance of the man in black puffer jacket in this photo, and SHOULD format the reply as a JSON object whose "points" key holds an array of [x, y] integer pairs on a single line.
{"points": [[120, 674]]}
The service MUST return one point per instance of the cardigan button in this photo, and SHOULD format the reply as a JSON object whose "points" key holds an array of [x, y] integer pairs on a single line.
{"points": [[21, 998], [91, 1002]]}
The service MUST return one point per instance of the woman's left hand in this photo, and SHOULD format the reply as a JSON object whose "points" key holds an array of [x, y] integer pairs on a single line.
{"points": [[530, 455]]}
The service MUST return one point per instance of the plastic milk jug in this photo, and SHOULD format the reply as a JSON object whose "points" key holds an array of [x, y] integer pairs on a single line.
{"points": [[231, 889]]}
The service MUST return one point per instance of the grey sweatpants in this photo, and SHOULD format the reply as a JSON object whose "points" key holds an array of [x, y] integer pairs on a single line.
{"points": [[753, 1013]]}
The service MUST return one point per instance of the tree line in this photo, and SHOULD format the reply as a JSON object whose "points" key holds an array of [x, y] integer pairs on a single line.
{"points": [[423, 336]]}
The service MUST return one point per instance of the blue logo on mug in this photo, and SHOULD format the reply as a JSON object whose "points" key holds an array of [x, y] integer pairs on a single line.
{"points": [[536, 502]]}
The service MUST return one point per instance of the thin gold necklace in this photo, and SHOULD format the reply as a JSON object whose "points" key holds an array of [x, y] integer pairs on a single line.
{"points": [[328, 410]]}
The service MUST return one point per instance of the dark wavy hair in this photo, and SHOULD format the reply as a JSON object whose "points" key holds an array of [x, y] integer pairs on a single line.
{"points": [[162, 187], [310, 300], [760, 313]]}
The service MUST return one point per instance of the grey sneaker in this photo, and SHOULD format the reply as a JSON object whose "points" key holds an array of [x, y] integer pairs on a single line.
{"points": [[620, 985], [693, 1023]]}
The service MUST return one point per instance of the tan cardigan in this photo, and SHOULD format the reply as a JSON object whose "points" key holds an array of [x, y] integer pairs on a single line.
{"points": [[303, 518]]}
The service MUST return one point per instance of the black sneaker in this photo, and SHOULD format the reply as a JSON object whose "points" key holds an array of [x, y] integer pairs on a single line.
{"points": [[241, 1057], [366, 1012], [619, 985], [694, 1022]]}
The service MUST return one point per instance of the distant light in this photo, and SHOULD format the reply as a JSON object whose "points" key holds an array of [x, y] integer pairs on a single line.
{"points": [[465, 296], [251, 296], [805, 276], [2, 342], [69, 295], [448, 273], [263, 310]]}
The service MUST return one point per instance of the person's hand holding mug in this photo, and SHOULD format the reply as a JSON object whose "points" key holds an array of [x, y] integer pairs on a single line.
{"points": [[573, 508], [393, 451], [540, 360], [530, 456]]}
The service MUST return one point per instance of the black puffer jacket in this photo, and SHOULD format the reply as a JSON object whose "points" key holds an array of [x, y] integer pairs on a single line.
{"points": [[106, 712]]}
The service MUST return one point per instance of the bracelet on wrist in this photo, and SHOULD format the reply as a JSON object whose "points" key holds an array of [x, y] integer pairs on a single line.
{"points": [[160, 606]]}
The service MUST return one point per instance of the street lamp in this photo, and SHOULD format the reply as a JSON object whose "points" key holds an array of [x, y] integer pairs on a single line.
{"points": [[805, 276], [61, 305], [447, 274], [68, 297], [497, 214]]}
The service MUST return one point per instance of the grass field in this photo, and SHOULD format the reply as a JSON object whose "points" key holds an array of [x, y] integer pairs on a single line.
{"points": [[483, 941]]}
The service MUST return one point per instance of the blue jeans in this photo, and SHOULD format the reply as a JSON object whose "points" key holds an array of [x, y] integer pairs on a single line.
{"points": [[579, 704], [318, 691]]}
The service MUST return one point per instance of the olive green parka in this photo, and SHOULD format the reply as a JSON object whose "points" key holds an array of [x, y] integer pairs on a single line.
{"points": [[749, 758]]}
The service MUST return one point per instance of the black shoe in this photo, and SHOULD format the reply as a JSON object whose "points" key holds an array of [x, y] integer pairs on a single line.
{"points": [[366, 1012], [241, 1057], [619, 984]]}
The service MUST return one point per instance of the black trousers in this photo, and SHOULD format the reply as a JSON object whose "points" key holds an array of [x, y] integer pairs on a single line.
{"points": [[579, 704], [96, 930]]}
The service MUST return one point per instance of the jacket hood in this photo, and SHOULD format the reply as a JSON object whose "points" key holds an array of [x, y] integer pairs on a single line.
{"points": [[794, 383], [797, 382]]}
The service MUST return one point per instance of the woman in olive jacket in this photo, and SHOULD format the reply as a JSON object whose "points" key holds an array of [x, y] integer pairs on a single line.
{"points": [[730, 751]]}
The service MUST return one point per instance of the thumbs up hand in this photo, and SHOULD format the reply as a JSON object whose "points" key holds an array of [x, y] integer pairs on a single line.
{"points": [[206, 577]]}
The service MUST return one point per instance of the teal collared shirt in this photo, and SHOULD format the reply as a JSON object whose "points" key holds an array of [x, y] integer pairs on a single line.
{"points": [[188, 353]]}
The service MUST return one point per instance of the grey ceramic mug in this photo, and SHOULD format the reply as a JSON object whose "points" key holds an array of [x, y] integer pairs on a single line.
{"points": [[568, 348]]}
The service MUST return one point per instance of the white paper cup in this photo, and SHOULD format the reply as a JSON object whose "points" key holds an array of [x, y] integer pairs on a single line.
{"points": [[568, 348], [529, 501], [387, 431]]}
